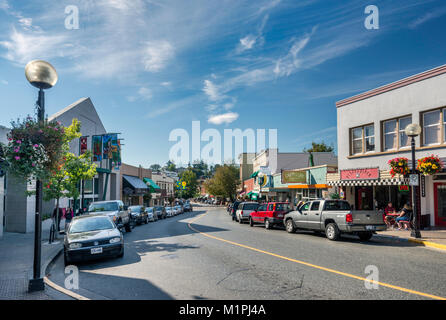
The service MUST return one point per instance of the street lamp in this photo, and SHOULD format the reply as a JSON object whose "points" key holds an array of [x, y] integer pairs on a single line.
{"points": [[413, 130], [41, 75]]}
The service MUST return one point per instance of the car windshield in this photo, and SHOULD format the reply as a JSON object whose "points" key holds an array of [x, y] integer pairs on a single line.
{"points": [[235, 206], [149, 209], [250, 206], [337, 206], [91, 224], [106, 206], [135, 209], [282, 207]]}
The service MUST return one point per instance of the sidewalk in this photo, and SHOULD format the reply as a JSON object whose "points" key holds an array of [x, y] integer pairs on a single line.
{"points": [[16, 264], [429, 238]]}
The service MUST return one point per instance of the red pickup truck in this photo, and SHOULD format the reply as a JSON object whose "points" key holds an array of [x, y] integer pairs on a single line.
{"points": [[269, 214]]}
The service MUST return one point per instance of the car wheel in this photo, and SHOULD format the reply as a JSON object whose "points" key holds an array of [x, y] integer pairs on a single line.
{"points": [[268, 224], [66, 260], [290, 228], [251, 222], [122, 253], [147, 220], [332, 232], [365, 236], [128, 227]]}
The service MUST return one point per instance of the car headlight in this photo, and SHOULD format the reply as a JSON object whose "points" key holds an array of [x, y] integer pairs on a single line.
{"points": [[115, 240], [75, 245]]}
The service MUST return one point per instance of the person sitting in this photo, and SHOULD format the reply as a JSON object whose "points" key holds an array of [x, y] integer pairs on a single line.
{"points": [[404, 217], [390, 209]]}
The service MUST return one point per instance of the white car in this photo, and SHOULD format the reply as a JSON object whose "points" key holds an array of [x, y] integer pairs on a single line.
{"points": [[169, 212], [244, 210]]}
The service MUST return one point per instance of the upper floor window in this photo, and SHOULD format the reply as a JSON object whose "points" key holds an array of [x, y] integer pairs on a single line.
{"points": [[394, 137], [433, 121], [363, 139]]}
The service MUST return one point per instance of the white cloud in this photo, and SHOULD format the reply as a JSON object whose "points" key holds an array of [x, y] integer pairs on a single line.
{"points": [[427, 17], [145, 93], [248, 42], [211, 90], [166, 83], [157, 55], [223, 118], [23, 47], [289, 63]]}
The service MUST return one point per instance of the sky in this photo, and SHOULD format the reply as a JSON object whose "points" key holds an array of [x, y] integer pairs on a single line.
{"points": [[152, 66]]}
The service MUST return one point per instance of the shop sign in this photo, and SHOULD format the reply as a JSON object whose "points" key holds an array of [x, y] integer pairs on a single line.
{"points": [[423, 186], [403, 188], [289, 176], [414, 180], [360, 174]]}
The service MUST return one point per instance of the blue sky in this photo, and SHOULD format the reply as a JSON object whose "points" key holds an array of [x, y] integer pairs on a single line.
{"points": [[151, 66]]}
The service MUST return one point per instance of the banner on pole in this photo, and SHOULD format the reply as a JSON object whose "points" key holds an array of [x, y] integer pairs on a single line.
{"points": [[97, 148]]}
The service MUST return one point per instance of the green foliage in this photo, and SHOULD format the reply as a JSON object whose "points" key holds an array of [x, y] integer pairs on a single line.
{"points": [[34, 148], [335, 196], [155, 167], [77, 169], [320, 147], [190, 178], [170, 166], [224, 182]]}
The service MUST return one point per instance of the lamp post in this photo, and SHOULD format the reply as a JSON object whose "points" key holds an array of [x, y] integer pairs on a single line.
{"points": [[41, 75], [413, 130]]}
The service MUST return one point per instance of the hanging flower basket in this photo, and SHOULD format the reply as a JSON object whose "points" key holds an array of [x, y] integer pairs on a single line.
{"points": [[430, 165], [34, 148], [399, 166]]}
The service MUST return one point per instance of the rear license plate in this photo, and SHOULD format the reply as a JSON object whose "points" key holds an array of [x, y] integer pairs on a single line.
{"points": [[280, 215], [96, 250], [370, 227]]}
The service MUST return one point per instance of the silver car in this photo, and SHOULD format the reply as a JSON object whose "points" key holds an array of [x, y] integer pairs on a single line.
{"points": [[114, 209], [244, 210]]}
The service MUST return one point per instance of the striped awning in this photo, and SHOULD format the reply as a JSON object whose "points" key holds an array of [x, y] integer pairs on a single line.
{"points": [[377, 182]]}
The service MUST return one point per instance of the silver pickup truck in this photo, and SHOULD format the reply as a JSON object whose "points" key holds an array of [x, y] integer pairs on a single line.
{"points": [[334, 217]]}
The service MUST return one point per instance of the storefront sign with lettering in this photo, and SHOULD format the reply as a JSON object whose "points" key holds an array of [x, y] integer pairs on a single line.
{"points": [[360, 174], [289, 176]]}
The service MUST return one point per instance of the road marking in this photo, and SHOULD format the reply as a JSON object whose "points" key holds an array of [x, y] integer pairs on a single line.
{"points": [[313, 265]]}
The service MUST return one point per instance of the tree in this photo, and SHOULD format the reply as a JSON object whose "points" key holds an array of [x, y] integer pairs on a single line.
{"points": [[170, 166], [155, 167], [224, 182], [190, 178], [319, 147]]}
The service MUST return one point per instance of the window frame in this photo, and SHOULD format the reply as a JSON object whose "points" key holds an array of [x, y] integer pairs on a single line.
{"points": [[363, 139], [441, 123], [397, 131]]}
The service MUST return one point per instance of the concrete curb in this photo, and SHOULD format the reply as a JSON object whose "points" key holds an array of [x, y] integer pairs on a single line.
{"points": [[425, 243]]}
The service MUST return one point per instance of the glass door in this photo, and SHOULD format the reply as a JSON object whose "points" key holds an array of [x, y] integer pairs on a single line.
{"points": [[440, 204]]}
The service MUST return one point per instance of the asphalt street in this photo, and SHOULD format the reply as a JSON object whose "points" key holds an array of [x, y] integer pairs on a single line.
{"points": [[205, 255]]}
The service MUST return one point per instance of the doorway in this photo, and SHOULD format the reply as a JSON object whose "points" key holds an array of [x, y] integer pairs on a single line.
{"points": [[440, 203]]}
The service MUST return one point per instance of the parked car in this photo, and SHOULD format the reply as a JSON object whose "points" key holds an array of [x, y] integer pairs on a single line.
{"points": [[335, 217], [139, 214], [188, 207], [179, 209], [114, 209], [244, 211], [151, 215], [91, 237], [169, 212], [269, 214], [160, 212]]}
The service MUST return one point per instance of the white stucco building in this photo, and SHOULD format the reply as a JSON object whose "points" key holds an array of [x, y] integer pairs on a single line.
{"points": [[371, 132]]}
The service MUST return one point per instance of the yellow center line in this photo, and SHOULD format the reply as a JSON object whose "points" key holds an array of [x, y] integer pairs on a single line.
{"points": [[313, 265]]}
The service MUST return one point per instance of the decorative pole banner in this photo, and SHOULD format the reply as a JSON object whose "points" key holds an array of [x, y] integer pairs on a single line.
{"points": [[97, 148], [83, 145], [106, 146], [114, 149]]}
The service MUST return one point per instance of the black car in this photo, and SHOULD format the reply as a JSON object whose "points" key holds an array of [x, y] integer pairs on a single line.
{"points": [[92, 237], [234, 209], [139, 214], [188, 207]]}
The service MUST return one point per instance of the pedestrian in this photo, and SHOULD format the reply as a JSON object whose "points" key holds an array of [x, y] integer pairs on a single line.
{"points": [[390, 209], [404, 216], [68, 217]]}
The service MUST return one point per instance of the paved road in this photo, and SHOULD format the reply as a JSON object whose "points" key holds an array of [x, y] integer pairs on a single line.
{"points": [[169, 259]]}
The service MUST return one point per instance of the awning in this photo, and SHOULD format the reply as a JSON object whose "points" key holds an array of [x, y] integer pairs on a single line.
{"points": [[135, 184], [309, 186], [376, 182], [252, 195], [152, 185], [254, 174]]}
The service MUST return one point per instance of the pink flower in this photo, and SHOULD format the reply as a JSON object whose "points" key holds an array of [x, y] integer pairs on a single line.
{"points": [[19, 141], [36, 146], [33, 164], [17, 158]]}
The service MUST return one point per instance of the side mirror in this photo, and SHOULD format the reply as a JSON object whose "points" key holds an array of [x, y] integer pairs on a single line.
{"points": [[62, 233]]}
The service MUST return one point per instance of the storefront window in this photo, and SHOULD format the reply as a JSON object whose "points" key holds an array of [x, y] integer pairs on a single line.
{"points": [[390, 140], [363, 139]]}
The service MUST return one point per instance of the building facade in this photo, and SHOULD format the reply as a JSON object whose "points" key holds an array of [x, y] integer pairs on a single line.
{"points": [[371, 132], [166, 188], [135, 185]]}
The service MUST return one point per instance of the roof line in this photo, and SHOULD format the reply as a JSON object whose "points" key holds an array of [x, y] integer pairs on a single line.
{"points": [[394, 85]]}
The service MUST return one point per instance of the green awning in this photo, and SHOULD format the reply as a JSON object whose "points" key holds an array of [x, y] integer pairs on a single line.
{"points": [[255, 174], [252, 195], [152, 185]]}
